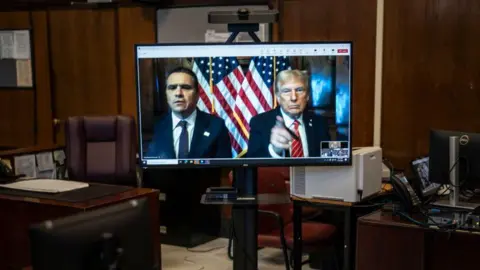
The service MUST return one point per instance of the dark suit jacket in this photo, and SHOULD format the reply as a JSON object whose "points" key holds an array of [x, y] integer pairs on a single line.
{"points": [[316, 129], [215, 145]]}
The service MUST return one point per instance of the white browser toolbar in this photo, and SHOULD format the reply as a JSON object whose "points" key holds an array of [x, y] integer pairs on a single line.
{"points": [[241, 50], [161, 161]]}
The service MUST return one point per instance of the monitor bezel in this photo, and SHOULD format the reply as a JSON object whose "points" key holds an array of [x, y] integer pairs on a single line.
{"points": [[262, 162]]}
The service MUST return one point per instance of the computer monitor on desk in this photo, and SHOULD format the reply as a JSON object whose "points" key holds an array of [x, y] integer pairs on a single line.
{"points": [[110, 238], [454, 159]]}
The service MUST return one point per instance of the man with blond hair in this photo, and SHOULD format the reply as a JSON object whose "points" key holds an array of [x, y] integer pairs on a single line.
{"points": [[289, 130]]}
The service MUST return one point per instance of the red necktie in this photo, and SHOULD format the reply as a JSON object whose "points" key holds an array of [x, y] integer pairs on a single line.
{"points": [[297, 148]]}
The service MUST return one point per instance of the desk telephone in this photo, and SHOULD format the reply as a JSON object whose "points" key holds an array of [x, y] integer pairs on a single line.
{"points": [[404, 190], [6, 173]]}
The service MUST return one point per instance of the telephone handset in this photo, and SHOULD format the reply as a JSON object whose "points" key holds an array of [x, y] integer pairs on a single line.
{"points": [[404, 190], [6, 173]]}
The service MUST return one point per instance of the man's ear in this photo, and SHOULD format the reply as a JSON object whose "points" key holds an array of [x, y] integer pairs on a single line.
{"points": [[277, 97]]}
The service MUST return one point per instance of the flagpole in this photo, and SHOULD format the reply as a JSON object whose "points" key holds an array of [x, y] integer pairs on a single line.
{"points": [[211, 85], [274, 80]]}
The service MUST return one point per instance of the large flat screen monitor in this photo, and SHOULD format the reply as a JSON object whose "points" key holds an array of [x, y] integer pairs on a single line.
{"points": [[267, 104], [112, 237]]}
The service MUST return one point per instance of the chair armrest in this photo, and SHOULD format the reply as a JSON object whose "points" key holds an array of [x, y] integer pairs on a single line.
{"points": [[280, 224], [277, 217]]}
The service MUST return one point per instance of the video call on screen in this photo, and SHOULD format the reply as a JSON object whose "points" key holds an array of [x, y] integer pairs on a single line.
{"points": [[238, 103]]}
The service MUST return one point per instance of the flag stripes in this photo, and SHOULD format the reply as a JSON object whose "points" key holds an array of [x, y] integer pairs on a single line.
{"points": [[235, 96]]}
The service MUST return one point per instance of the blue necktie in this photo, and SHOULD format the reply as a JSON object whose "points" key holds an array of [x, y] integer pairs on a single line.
{"points": [[183, 144]]}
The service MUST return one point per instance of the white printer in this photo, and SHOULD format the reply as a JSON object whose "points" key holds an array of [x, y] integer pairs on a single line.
{"points": [[343, 183]]}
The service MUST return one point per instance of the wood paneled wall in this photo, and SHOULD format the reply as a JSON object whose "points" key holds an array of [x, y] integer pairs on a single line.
{"points": [[17, 107], [341, 20], [431, 73], [83, 65]]}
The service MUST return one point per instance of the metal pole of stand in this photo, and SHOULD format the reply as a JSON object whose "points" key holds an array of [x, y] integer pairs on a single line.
{"points": [[245, 217], [244, 221], [454, 170]]}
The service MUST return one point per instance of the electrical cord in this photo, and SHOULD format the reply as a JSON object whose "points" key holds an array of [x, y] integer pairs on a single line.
{"points": [[449, 188], [467, 165], [433, 226], [435, 195]]}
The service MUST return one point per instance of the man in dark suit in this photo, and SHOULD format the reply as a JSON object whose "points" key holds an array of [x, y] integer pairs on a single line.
{"points": [[186, 132], [289, 130]]}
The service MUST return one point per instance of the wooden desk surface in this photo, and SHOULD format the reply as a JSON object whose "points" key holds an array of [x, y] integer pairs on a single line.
{"points": [[386, 219], [379, 218], [385, 188], [106, 200], [321, 201]]}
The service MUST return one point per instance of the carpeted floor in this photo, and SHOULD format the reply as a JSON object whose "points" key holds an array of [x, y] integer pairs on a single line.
{"points": [[213, 255]]}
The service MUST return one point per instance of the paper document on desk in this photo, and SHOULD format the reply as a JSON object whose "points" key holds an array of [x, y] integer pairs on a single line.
{"points": [[45, 161], [25, 165], [46, 185]]}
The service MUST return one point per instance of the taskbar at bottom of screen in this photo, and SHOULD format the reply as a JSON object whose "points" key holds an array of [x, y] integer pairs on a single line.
{"points": [[247, 162]]}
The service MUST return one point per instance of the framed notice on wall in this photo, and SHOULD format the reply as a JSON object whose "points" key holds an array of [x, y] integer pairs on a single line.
{"points": [[16, 69]]}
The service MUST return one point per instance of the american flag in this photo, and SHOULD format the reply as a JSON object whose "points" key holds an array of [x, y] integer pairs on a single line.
{"points": [[257, 92], [237, 97], [220, 79]]}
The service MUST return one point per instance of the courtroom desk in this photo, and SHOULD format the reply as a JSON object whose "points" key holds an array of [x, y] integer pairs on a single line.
{"points": [[387, 242], [18, 213]]}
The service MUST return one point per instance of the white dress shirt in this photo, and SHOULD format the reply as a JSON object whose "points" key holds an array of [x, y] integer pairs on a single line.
{"points": [[177, 130], [289, 123]]}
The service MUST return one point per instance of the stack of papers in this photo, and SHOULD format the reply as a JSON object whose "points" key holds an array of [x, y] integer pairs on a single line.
{"points": [[45, 185]]}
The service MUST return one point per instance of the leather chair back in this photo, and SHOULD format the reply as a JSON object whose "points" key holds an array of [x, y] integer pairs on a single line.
{"points": [[101, 149]]}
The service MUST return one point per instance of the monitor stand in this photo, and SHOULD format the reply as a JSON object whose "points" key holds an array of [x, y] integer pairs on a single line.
{"points": [[245, 217], [244, 221], [454, 196]]}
